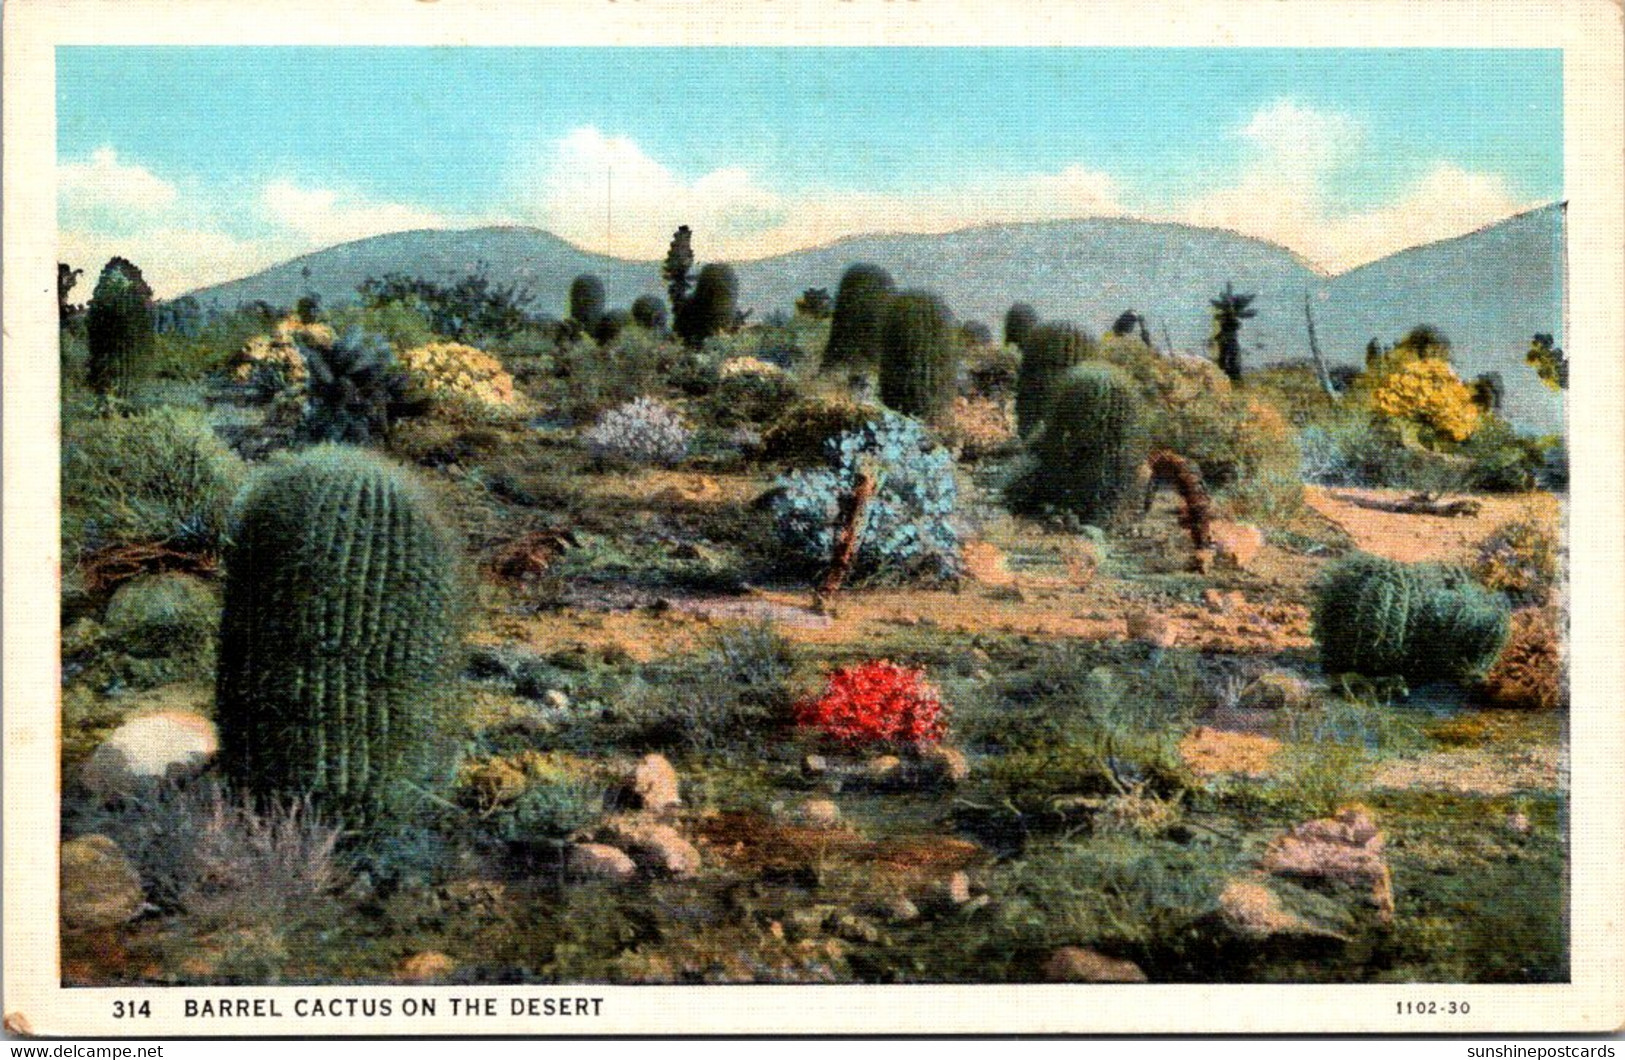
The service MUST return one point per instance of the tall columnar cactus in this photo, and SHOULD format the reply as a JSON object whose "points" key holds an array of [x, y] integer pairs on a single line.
{"points": [[119, 329], [1019, 323], [1050, 350], [587, 301], [1089, 450], [859, 318], [1380, 618], [338, 626], [710, 309], [919, 359]]}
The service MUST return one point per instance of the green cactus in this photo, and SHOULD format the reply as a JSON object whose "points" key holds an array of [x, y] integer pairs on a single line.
{"points": [[919, 359], [859, 318], [119, 330], [1089, 450], [1049, 352], [1380, 618], [711, 309], [1019, 323], [587, 301], [338, 627]]}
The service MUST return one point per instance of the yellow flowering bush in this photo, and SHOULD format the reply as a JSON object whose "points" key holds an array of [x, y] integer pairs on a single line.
{"points": [[738, 366], [1428, 394], [450, 373], [279, 352]]}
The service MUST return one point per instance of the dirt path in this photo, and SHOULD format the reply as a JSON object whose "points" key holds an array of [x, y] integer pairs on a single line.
{"points": [[1415, 538]]}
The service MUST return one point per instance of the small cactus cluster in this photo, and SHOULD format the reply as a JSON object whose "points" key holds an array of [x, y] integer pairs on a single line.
{"points": [[338, 625], [1088, 452], [1380, 618]]}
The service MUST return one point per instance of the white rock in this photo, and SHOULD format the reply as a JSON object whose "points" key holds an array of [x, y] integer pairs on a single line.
{"points": [[148, 750]]}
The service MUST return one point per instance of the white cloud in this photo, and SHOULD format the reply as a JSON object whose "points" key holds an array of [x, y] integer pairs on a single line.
{"points": [[173, 260], [605, 193], [324, 216], [1281, 194], [107, 183]]}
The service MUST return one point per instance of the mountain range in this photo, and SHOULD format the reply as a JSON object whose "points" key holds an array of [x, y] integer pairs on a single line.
{"points": [[1489, 291]]}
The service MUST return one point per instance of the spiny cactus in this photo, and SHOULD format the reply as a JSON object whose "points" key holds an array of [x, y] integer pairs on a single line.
{"points": [[587, 301], [1019, 322], [118, 329], [337, 630], [859, 317], [710, 309], [1089, 450], [1380, 618], [649, 312], [1049, 351], [919, 358]]}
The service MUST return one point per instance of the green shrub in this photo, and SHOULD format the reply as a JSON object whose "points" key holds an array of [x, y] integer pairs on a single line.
{"points": [[859, 318], [734, 692], [1379, 618], [1088, 454], [338, 627], [163, 615], [919, 358], [159, 476], [119, 330], [649, 312], [1048, 352], [802, 433]]}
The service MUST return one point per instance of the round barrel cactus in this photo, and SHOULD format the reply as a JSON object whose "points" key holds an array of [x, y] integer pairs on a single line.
{"points": [[1049, 351], [338, 627], [1089, 450], [859, 317], [119, 329], [919, 358], [1381, 618]]}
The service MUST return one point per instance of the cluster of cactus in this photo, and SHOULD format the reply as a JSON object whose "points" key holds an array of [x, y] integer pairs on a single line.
{"points": [[119, 329], [919, 359], [859, 317], [711, 308], [338, 627], [1380, 618], [1048, 351], [1087, 454], [649, 312]]}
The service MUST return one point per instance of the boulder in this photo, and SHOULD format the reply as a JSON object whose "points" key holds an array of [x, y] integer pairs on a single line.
{"points": [[653, 785], [883, 770], [1075, 964], [1152, 628], [939, 766], [149, 750], [1250, 910], [1341, 850], [1277, 690], [1236, 544], [819, 813], [657, 849], [100, 888], [598, 861]]}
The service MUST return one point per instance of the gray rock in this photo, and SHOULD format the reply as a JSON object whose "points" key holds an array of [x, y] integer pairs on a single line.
{"points": [[599, 861], [100, 888], [657, 848], [653, 785]]}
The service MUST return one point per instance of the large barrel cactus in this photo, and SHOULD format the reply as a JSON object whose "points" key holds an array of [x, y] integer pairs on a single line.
{"points": [[337, 630], [119, 329], [1380, 618], [1089, 451], [859, 317], [919, 358], [711, 309], [587, 300], [1019, 322], [1049, 351]]}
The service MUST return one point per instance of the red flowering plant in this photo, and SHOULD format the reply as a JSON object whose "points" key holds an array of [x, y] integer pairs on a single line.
{"points": [[876, 702]]}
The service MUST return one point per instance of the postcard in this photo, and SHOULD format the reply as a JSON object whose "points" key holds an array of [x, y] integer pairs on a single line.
{"points": [[812, 517]]}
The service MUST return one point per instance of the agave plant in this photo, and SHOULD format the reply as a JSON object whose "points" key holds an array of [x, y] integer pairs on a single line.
{"points": [[356, 389]]}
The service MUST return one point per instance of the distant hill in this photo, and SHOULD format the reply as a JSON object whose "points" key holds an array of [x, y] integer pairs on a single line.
{"points": [[1488, 291]]}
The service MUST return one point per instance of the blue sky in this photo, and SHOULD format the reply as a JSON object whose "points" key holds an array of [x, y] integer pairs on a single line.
{"points": [[234, 158]]}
